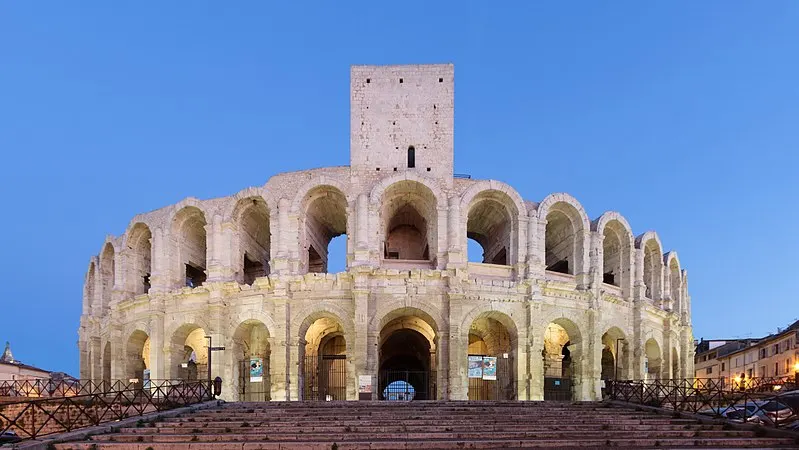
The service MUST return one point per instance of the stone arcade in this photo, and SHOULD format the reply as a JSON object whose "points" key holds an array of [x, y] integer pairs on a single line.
{"points": [[562, 301]]}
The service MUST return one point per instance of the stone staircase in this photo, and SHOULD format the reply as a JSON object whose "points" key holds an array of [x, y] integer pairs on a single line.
{"points": [[425, 425]]}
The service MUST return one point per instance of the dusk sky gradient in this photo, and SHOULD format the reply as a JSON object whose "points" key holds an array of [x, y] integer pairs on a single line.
{"points": [[681, 115]]}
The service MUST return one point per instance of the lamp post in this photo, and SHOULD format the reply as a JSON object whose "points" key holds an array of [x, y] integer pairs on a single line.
{"points": [[796, 374], [212, 349]]}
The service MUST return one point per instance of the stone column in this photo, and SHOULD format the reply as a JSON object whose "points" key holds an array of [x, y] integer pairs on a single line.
{"points": [[360, 348], [441, 237], [160, 277], [583, 273], [536, 364], [455, 253], [458, 346], [158, 362], [522, 377], [96, 361], [280, 264], [280, 363], [361, 235]]}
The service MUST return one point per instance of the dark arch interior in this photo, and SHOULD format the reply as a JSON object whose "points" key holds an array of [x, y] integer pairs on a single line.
{"points": [[405, 356]]}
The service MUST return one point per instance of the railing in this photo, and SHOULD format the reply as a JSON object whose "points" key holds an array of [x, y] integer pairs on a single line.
{"points": [[47, 387], [715, 398], [32, 418]]}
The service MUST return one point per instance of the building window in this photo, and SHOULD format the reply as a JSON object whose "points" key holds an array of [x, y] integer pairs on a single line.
{"points": [[722, 367], [762, 353], [709, 370], [776, 369], [411, 157]]}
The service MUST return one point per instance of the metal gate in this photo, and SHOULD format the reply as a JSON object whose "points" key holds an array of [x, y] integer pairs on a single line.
{"points": [[407, 385], [251, 389], [325, 378], [558, 389], [502, 388]]}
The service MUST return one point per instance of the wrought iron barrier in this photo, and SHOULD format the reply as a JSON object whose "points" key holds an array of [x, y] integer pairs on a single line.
{"points": [[325, 378], [31, 418], [713, 397], [59, 388], [406, 385]]}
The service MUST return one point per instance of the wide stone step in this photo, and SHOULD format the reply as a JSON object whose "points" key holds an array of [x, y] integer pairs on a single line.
{"points": [[425, 420], [397, 427], [435, 435], [631, 442]]}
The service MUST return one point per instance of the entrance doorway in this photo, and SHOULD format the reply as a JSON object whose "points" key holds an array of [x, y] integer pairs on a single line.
{"points": [[492, 358], [324, 363], [407, 360], [251, 352], [557, 364]]}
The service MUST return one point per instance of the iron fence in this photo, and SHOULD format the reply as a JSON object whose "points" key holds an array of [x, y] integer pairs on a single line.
{"points": [[59, 388], [32, 418], [501, 386], [325, 378], [252, 387], [407, 385], [750, 403]]}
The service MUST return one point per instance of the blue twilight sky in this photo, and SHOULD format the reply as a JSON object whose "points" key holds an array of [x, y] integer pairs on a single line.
{"points": [[683, 116]]}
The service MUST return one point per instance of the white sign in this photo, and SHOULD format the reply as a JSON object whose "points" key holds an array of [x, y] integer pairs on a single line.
{"points": [[365, 384]]}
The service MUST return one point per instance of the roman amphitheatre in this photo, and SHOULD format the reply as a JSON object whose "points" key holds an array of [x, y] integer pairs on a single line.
{"points": [[559, 303]]}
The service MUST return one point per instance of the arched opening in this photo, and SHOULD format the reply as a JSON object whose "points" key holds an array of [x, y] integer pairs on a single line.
{"points": [[325, 219], [616, 248], [490, 224], [675, 364], [90, 299], [407, 359], [676, 285], [652, 360], [492, 359], [615, 355], [323, 361], [189, 354], [561, 373], [653, 273], [408, 222], [255, 238], [563, 239], [411, 157], [189, 227], [137, 357], [251, 352], [107, 367], [106, 275], [140, 244]]}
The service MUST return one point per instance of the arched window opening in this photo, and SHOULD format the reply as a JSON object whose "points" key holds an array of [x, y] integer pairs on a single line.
{"points": [[489, 223], [190, 226], [614, 354], [411, 157], [140, 243], [676, 285], [652, 269], [254, 240], [325, 220], [90, 301], [560, 243], [616, 246], [675, 364], [107, 275], [106, 362], [408, 220]]}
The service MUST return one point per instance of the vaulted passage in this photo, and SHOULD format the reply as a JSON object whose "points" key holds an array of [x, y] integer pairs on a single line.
{"points": [[323, 359], [107, 275], [189, 354], [140, 242], [137, 356], [255, 238], [561, 340], [407, 360], [652, 363], [653, 267], [189, 227], [251, 353], [562, 243], [490, 224], [492, 359], [616, 248], [408, 220], [325, 219]]}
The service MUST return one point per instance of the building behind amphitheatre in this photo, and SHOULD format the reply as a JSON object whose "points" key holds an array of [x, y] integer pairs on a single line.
{"points": [[559, 303]]}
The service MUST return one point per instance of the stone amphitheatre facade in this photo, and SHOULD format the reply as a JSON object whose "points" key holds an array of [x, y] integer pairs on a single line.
{"points": [[562, 301]]}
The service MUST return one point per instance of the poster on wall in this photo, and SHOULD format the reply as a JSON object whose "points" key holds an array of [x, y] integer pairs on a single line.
{"points": [[475, 366], [489, 367], [146, 379], [365, 384], [256, 370]]}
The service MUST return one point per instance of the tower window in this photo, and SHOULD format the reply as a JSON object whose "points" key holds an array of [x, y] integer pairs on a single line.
{"points": [[411, 157], [440, 80], [400, 80], [368, 80]]}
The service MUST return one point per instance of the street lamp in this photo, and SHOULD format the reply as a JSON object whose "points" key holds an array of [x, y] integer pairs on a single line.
{"points": [[796, 375]]}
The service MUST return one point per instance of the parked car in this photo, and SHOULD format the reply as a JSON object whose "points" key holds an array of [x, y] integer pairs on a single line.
{"points": [[9, 437], [737, 413], [776, 410]]}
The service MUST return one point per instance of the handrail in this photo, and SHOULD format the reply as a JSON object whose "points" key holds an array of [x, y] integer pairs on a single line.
{"points": [[750, 403], [34, 417]]}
